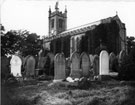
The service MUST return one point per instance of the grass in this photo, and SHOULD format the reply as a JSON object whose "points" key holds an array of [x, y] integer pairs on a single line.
{"points": [[48, 93]]}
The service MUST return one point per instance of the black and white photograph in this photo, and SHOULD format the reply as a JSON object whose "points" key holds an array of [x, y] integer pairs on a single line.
{"points": [[67, 52]]}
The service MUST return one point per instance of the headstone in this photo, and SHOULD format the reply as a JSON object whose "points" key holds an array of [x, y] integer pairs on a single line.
{"points": [[104, 63], [85, 64], [41, 62], [121, 57], [51, 56], [112, 57], [96, 65], [30, 66], [59, 67], [16, 64], [51, 63], [75, 65], [5, 71], [68, 63], [91, 59]]}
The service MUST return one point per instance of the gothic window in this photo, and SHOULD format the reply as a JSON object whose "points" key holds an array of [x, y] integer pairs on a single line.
{"points": [[60, 23], [52, 23]]}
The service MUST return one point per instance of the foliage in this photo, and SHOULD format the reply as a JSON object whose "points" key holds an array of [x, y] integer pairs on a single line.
{"points": [[127, 69], [23, 41], [130, 43]]}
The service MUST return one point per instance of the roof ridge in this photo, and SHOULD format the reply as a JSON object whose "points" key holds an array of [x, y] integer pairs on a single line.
{"points": [[70, 29]]}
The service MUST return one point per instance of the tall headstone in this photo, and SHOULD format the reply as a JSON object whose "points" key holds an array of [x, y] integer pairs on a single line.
{"points": [[91, 59], [121, 57], [96, 65], [30, 66], [51, 56], [85, 64], [68, 63], [16, 64], [51, 64], [59, 67], [41, 63], [75, 65], [112, 58], [104, 63]]}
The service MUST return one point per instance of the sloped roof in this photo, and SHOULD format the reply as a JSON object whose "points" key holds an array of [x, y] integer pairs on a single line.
{"points": [[82, 28]]}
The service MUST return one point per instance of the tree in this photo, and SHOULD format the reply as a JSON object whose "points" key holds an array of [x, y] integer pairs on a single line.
{"points": [[22, 41], [130, 43], [127, 69]]}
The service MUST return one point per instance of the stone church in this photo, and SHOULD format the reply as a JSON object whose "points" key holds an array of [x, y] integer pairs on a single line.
{"points": [[108, 34]]}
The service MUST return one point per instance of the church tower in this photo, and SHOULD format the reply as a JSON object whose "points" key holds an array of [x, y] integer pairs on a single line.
{"points": [[57, 21]]}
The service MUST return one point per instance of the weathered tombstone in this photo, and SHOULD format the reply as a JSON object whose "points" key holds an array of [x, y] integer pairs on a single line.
{"points": [[51, 63], [41, 62], [112, 57], [5, 71], [16, 64], [51, 56], [68, 63], [121, 56], [96, 65], [91, 59], [30, 66], [104, 63], [59, 67], [85, 64], [75, 65]]}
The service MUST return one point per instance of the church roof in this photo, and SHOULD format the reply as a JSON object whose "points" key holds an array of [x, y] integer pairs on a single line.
{"points": [[82, 28]]}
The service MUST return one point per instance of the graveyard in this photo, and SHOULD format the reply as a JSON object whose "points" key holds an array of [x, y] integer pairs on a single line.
{"points": [[81, 79], [92, 64]]}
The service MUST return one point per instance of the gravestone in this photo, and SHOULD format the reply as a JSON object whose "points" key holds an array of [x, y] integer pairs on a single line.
{"points": [[68, 63], [96, 65], [112, 58], [16, 64], [30, 66], [41, 63], [91, 59], [104, 63], [5, 71], [51, 63], [121, 57], [51, 56], [59, 67], [85, 64], [75, 65]]}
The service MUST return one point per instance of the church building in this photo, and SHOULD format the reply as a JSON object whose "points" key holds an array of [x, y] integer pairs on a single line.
{"points": [[108, 34]]}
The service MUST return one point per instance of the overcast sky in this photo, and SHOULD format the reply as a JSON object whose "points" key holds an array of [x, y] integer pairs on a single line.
{"points": [[32, 15]]}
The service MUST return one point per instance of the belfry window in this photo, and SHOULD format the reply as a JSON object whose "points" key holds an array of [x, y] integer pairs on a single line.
{"points": [[52, 23], [60, 23]]}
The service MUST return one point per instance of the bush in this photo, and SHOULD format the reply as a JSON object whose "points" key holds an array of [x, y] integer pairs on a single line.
{"points": [[127, 69]]}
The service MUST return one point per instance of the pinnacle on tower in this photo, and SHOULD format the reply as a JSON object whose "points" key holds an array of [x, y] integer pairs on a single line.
{"points": [[65, 9], [49, 9], [56, 6]]}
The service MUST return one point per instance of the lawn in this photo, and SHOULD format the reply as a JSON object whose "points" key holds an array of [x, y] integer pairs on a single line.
{"points": [[48, 93]]}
